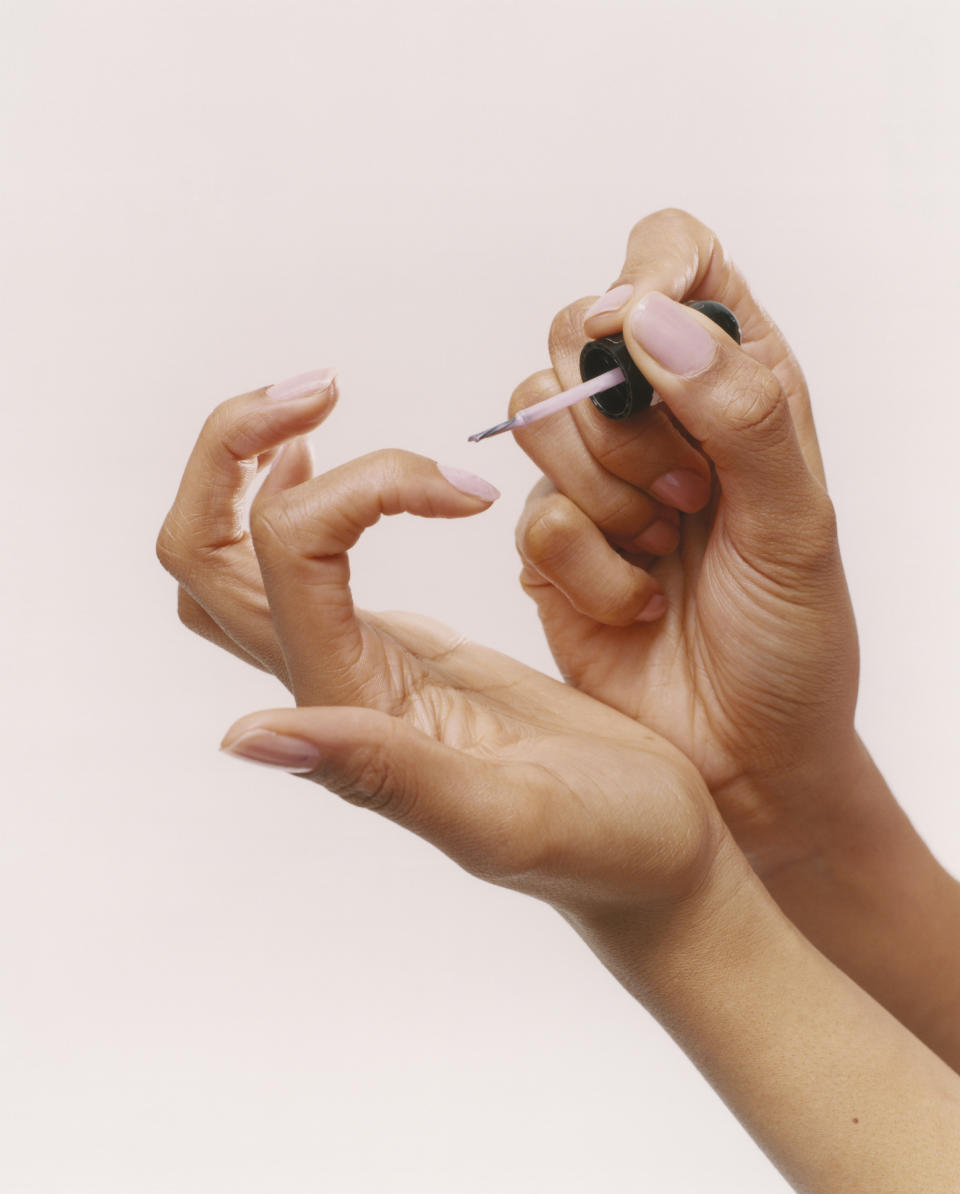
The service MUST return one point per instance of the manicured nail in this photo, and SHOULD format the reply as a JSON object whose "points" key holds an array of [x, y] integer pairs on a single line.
{"points": [[275, 750], [314, 382], [470, 483], [670, 333], [655, 607], [613, 300], [659, 539], [683, 489]]}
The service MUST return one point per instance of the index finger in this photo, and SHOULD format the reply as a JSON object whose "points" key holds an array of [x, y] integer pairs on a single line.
{"points": [[302, 537]]}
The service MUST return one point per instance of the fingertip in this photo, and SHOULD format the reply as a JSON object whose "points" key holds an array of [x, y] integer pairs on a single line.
{"points": [[608, 308], [267, 748], [314, 384], [683, 489], [469, 483], [660, 538], [292, 465], [655, 608]]}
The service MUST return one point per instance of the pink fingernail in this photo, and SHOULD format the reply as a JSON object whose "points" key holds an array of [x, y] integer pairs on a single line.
{"points": [[275, 750], [314, 382], [659, 539], [655, 607], [470, 483], [683, 489], [613, 300], [670, 333]]}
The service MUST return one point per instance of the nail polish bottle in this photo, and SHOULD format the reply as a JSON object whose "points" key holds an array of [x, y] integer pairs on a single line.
{"points": [[636, 393]]}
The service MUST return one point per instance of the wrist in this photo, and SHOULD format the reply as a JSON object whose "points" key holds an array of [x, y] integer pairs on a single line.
{"points": [[836, 1091], [843, 822], [828, 809], [864, 888], [650, 950]]}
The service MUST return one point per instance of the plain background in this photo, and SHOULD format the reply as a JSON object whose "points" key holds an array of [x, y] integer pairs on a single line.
{"points": [[216, 979]]}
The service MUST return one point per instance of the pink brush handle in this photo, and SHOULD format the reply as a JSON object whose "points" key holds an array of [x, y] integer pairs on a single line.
{"points": [[586, 389]]}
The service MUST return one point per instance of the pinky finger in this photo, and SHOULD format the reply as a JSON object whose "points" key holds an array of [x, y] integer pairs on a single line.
{"points": [[567, 549]]}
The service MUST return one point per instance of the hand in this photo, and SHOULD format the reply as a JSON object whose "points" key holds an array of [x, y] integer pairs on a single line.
{"points": [[752, 668], [535, 786], [520, 779], [204, 542]]}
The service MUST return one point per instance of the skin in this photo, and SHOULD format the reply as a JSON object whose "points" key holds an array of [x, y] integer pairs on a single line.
{"points": [[752, 669], [535, 786]]}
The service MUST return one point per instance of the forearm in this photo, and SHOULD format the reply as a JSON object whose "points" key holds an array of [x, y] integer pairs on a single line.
{"points": [[873, 899], [834, 1089]]}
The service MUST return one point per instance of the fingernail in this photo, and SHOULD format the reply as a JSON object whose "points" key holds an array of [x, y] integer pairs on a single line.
{"points": [[655, 607], [613, 300], [275, 750], [670, 333], [314, 382], [659, 539], [470, 483], [683, 489]]}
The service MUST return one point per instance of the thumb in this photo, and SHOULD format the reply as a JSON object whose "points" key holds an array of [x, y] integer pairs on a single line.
{"points": [[733, 406], [380, 763]]}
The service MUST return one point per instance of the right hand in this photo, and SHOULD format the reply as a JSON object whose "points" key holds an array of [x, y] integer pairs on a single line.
{"points": [[752, 669]]}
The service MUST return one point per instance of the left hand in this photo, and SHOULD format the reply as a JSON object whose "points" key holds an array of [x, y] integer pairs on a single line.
{"points": [[204, 541], [519, 778]]}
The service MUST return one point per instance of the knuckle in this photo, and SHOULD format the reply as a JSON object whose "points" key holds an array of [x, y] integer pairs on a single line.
{"points": [[370, 787], [548, 536], [370, 779], [821, 541], [270, 520], [165, 548], [535, 388], [666, 217], [566, 329], [754, 402], [388, 471], [531, 581], [622, 513], [170, 548], [621, 607], [668, 221], [390, 464], [243, 430]]}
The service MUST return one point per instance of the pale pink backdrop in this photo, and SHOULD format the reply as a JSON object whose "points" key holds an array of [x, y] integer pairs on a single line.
{"points": [[220, 981]]}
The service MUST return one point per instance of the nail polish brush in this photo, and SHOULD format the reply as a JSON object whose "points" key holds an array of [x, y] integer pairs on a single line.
{"points": [[610, 379]]}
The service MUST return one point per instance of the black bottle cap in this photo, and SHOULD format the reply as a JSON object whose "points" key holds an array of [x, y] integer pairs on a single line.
{"points": [[722, 316], [600, 356], [636, 393]]}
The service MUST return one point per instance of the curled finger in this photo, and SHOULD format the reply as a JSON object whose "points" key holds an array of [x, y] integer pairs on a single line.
{"points": [[302, 537], [564, 547], [558, 448]]}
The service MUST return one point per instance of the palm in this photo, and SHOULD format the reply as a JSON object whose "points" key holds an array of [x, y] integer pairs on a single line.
{"points": [[558, 771]]}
